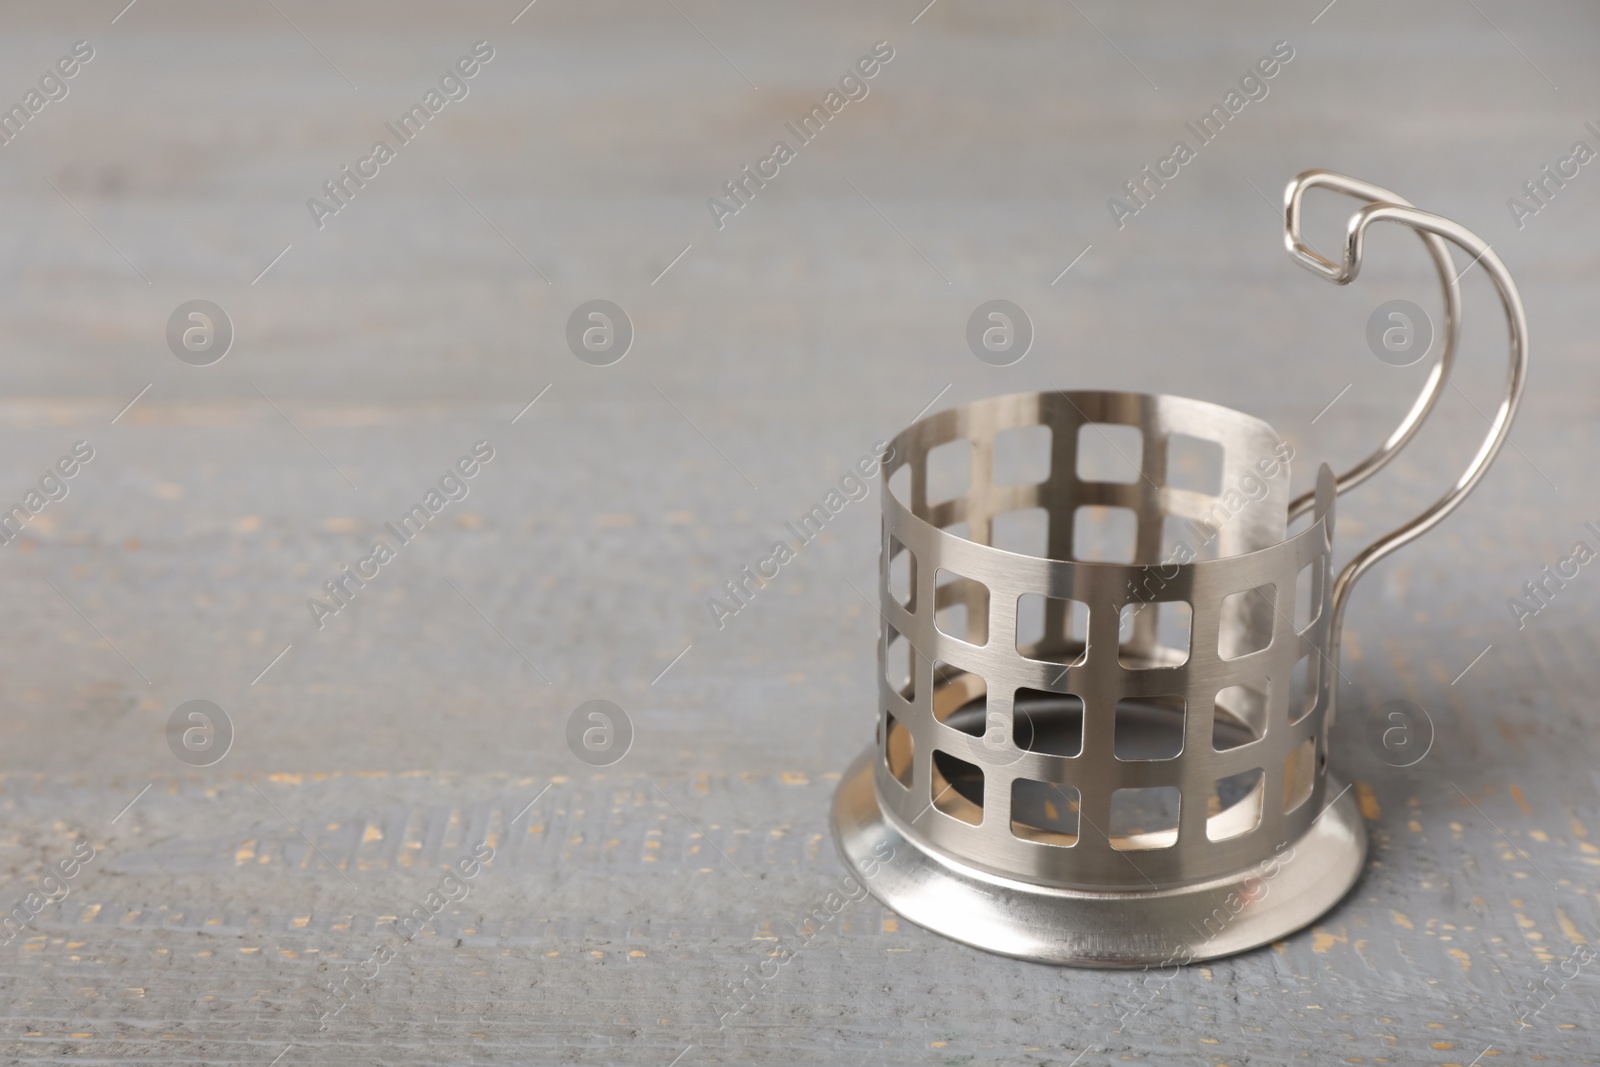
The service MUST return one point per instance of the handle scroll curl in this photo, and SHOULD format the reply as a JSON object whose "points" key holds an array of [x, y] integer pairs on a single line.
{"points": [[1380, 205]]}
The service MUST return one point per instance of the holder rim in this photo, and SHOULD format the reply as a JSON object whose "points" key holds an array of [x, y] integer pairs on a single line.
{"points": [[1105, 929]]}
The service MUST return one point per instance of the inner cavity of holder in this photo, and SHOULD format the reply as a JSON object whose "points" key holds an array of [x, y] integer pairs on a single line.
{"points": [[1146, 728], [1099, 478]]}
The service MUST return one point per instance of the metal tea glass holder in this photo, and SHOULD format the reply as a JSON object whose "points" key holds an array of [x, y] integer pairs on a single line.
{"points": [[1103, 793]]}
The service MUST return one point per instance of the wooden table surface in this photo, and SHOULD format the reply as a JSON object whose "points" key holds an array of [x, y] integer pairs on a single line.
{"points": [[623, 904]]}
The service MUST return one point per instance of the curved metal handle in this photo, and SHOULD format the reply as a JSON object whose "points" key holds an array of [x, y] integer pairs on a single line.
{"points": [[1384, 206], [1449, 281]]}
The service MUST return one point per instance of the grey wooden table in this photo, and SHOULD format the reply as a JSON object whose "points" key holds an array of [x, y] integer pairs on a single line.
{"points": [[623, 904]]}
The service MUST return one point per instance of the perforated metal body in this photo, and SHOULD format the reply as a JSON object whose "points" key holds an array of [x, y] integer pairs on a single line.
{"points": [[1211, 743]]}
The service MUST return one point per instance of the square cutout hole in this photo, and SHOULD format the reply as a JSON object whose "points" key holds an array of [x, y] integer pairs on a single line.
{"points": [[902, 574], [1185, 540], [1303, 685], [1144, 818], [1299, 774], [1246, 621], [1104, 535], [1044, 812], [1050, 723], [1194, 463], [1108, 452], [1052, 629], [960, 699], [1308, 596], [957, 788], [961, 607], [1154, 634], [1240, 717], [944, 672], [897, 750], [1234, 807], [949, 471], [1148, 728], [899, 663], [1025, 531], [1022, 456]]}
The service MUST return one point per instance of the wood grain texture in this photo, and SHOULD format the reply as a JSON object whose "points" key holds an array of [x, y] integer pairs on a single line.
{"points": [[621, 909]]}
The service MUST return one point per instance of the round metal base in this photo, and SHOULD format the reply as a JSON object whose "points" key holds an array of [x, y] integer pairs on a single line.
{"points": [[1130, 928]]}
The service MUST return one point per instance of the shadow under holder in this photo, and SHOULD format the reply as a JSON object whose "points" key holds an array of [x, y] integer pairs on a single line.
{"points": [[1101, 792]]}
